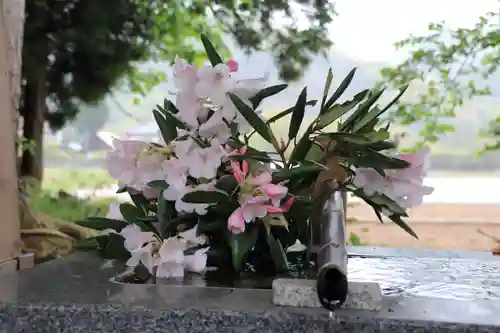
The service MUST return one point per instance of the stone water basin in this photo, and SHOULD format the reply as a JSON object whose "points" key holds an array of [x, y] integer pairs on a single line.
{"points": [[399, 272]]}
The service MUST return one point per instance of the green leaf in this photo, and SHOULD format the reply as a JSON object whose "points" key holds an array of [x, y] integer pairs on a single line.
{"points": [[361, 111], [253, 119], [300, 151], [130, 212], [213, 56], [168, 105], [298, 114], [241, 245], [397, 219], [277, 253], [338, 110], [287, 112], [88, 244], [158, 184], [205, 197], [300, 171], [227, 184], [211, 225], [172, 119], [372, 159], [267, 92], [391, 103], [326, 90], [167, 129], [112, 247], [354, 138], [101, 223], [340, 90], [140, 202], [165, 213]]}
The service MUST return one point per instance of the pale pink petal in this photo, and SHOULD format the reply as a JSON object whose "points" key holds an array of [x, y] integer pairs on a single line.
{"points": [[262, 178], [238, 174], [236, 222], [196, 262]]}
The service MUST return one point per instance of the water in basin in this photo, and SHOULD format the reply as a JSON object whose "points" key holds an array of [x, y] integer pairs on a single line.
{"points": [[443, 278], [397, 276]]}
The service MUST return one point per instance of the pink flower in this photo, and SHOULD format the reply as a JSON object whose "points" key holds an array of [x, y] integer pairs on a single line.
{"points": [[404, 186], [236, 222], [258, 197], [233, 65]]}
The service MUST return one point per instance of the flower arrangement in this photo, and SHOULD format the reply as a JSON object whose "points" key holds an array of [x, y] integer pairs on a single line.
{"points": [[203, 196]]}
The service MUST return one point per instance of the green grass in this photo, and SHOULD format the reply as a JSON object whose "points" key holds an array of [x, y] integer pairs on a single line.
{"points": [[69, 208], [56, 179]]}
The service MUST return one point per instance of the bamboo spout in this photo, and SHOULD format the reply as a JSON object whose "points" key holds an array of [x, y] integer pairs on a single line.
{"points": [[332, 255]]}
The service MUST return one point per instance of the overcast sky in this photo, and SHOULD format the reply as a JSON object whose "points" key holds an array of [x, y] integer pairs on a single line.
{"points": [[367, 29]]}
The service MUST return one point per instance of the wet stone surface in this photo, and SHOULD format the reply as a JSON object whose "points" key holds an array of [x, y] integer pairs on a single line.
{"points": [[445, 278], [439, 278]]}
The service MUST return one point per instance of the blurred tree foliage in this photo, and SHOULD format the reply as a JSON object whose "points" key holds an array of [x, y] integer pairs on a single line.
{"points": [[77, 50], [451, 64]]}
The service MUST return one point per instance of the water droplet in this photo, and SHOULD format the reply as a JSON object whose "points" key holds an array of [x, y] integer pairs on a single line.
{"points": [[332, 315]]}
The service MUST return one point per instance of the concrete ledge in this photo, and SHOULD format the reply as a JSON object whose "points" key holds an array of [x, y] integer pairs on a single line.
{"points": [[74, 294], [302, 293]]}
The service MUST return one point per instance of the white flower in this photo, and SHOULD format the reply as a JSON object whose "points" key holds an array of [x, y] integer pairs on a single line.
{"points": [[215, 83], [114, 212], [176, 194], [196, 262], [191, 238], [170, 261], [215, 127], [135, 238], [175, 173], [142, 255], [138, 243], [204, 162]]}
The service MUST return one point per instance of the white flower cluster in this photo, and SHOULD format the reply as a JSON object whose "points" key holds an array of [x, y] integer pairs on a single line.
{"points": [[204, 105]]}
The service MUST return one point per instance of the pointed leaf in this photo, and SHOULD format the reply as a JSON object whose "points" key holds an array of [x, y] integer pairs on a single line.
{"points": [[140, 202], [130, 212], [298, 114], [300, 171], [338, 110], [171, 118], [158, 184], [287, 112], [167, 129], [101, 223], [300, 151], [168, 105], [205, 197], [277, 253], [326, 90], [253, 119], [397, 219], [112, 247], [212, 54], [340, 90], [241, 245], [267, 92], [361, 111], [165, 213]]}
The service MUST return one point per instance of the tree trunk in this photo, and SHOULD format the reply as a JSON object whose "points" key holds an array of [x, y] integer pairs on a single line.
{"points": [[11, 21], [33, 124]]}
